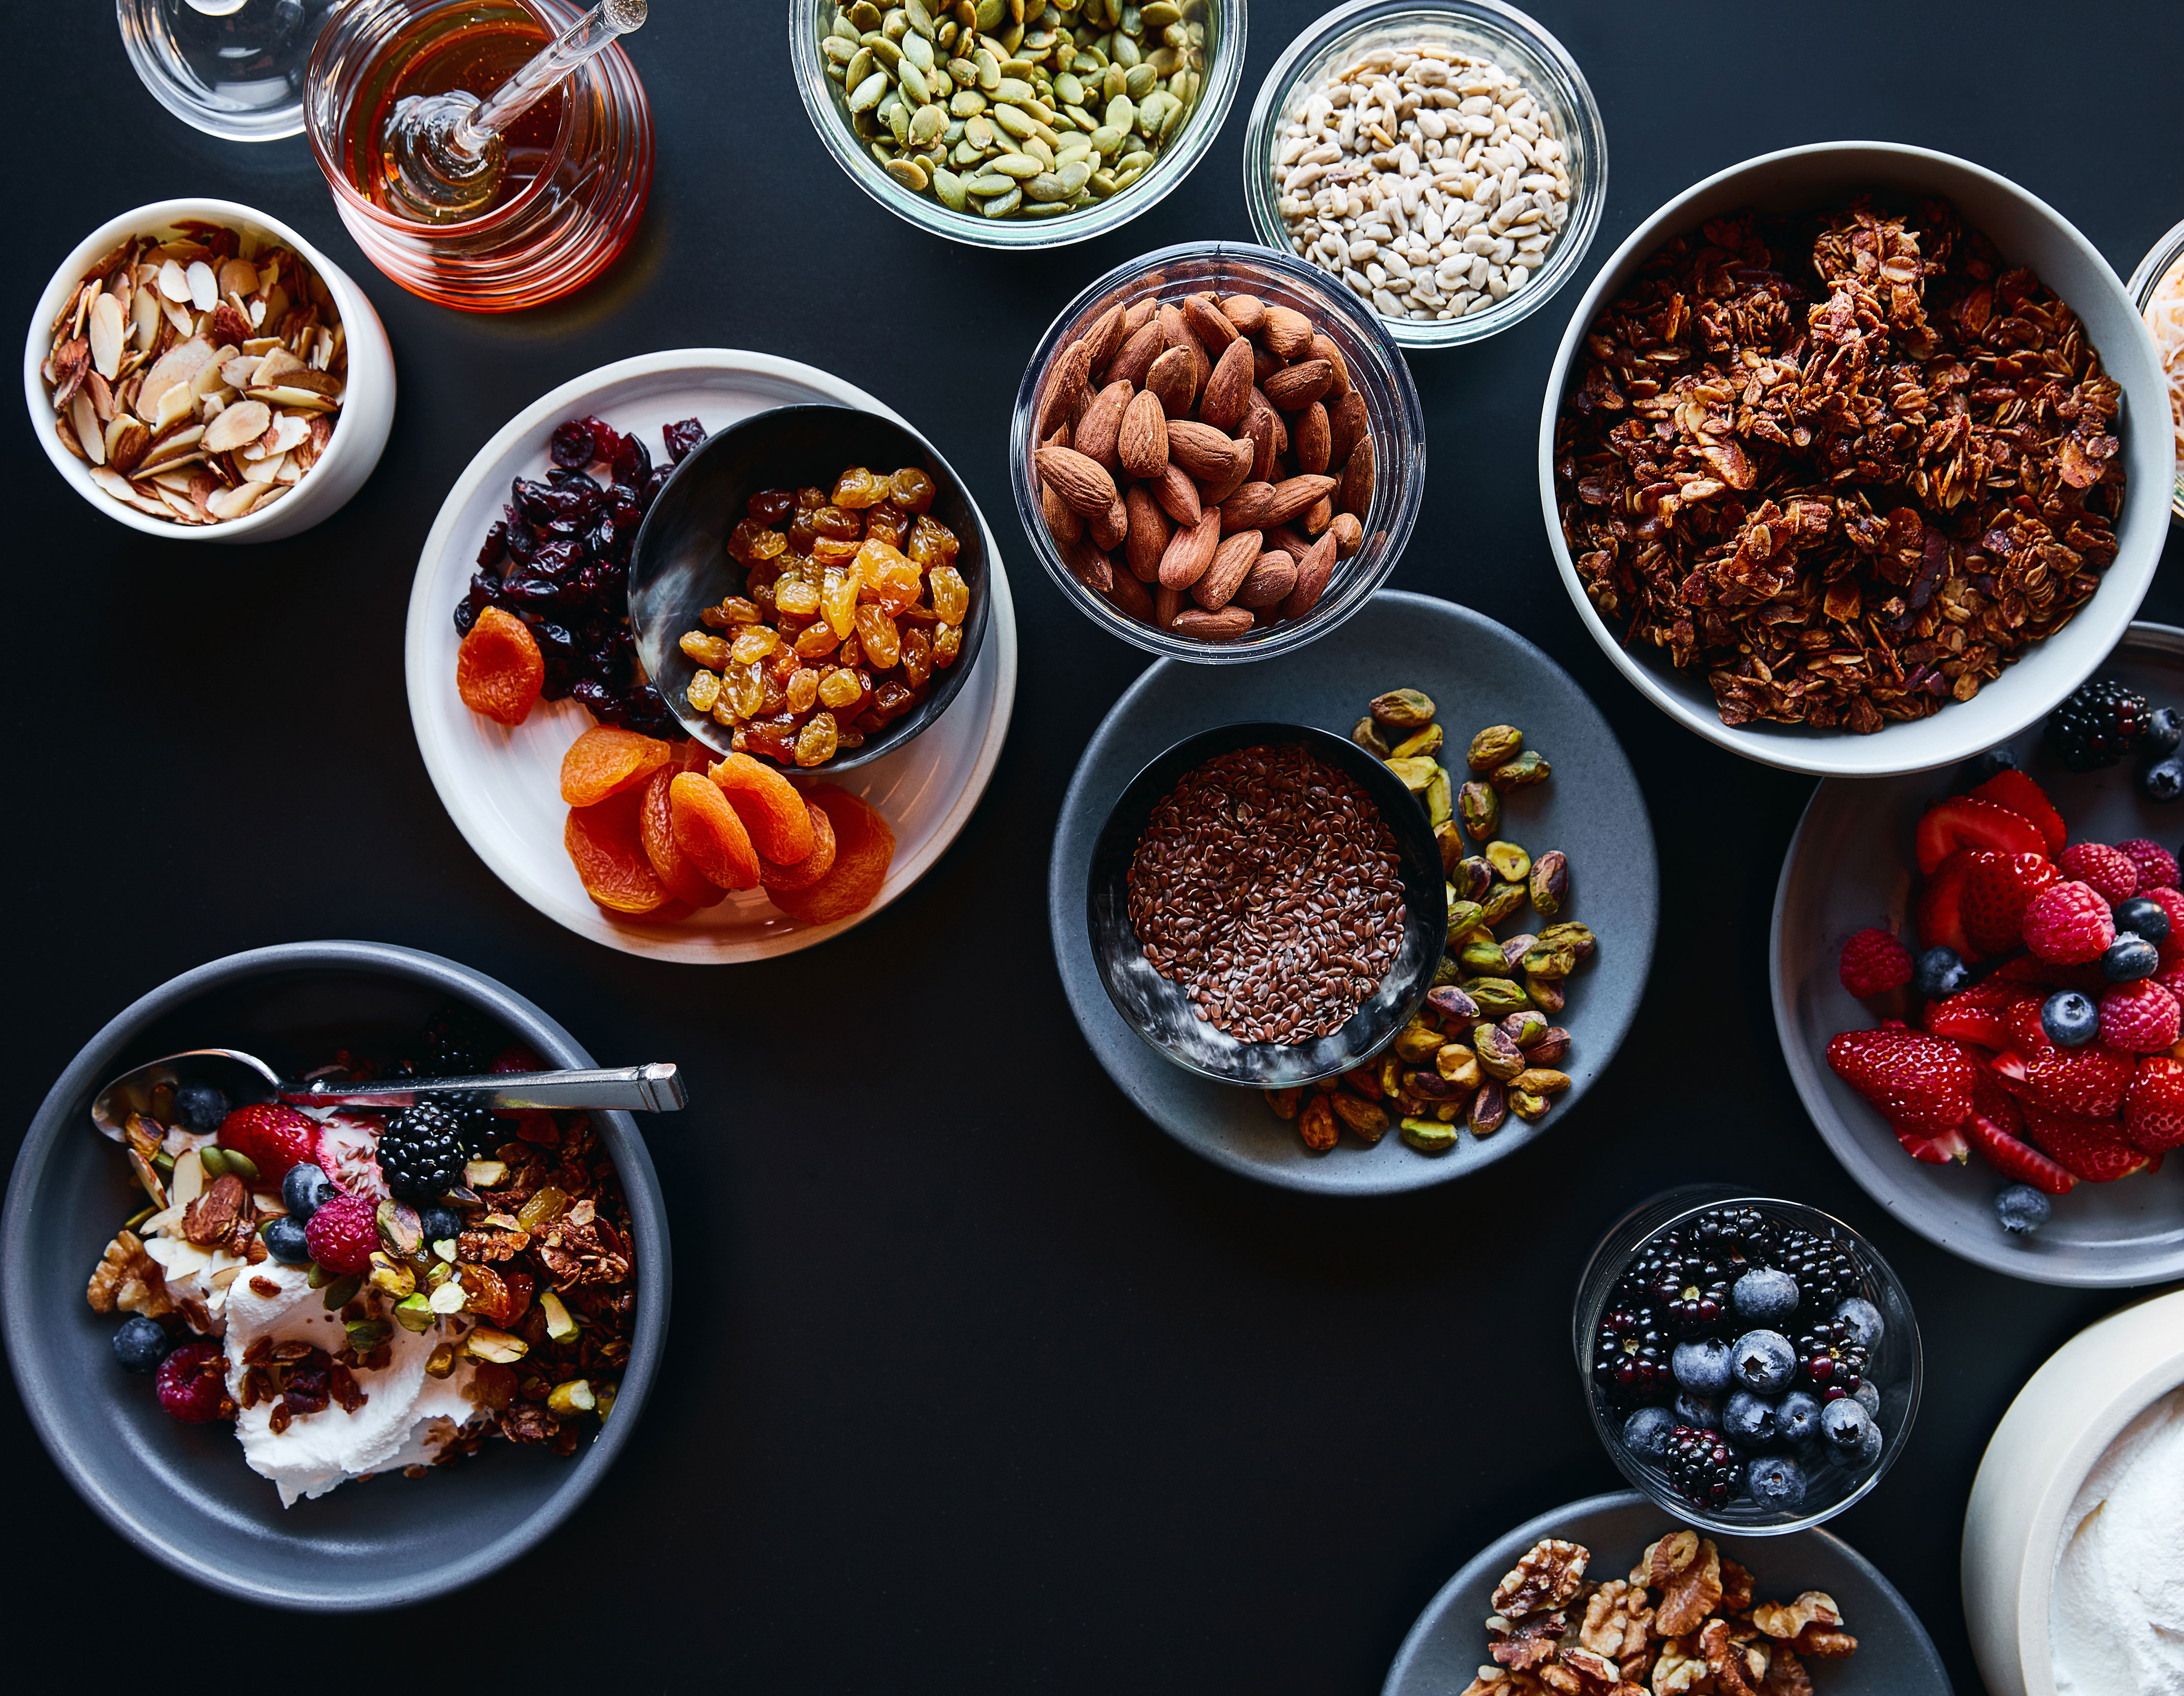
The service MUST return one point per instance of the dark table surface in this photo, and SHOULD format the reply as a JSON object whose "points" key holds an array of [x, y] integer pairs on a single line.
{"points": [[977, 1382]]}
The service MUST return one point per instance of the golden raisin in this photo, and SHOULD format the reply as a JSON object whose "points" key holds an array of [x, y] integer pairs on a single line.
{"points": [[803, 690], [734, 611], [858, 487], [916, 656], [798, 595], [876, 630], [932, 543], [811, 499], [947, 644], [837, 598], [850, 653], [887, 522], [912, 489], [839, 688], [749, 543], [704, 689], [741, 685], [752, 644], [817, 639], [771, 506], [816, 741], [951, 595], [832, 550], [709, 651]]}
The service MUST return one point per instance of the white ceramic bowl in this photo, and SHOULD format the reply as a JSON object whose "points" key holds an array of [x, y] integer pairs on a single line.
{"points": [[2062, 1421], [2028, 232], [360, 431]]}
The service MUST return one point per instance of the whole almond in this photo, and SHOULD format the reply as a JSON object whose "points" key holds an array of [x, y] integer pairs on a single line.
{"points": [[1264, 364], [1203, 313], [1228, 388], [1259, 425], [1313, 439], [1313, 571], [1174, 376], [1269, 582], [1241, 452], [1088, 565], [1322, 348], [1189, 552], [1150, 531], [1348, 427], [1094, 433], [1062, 521], [1287, 538], [1084, 482], [1287, 332], [1065, 385], [1140, 315], [1250, 508], [1061, 437], [1131, 596], [1174, 490], [1199, 449], [1232, 563], [1348, 534], [1137, 355], [1356, 495], [1166, 604], [1105, 338], [1224, 625], [1294, 495], [1107, 529], [1245, 311], [1319, 515], [1142, 446], [1296, 388]]}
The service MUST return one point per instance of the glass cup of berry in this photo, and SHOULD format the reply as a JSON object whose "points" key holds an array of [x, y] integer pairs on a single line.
{"points": [[1751, 1364]]}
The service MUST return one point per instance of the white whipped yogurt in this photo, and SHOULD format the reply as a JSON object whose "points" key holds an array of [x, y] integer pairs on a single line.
{"points": [[404, 1421], [2116, 1616]]}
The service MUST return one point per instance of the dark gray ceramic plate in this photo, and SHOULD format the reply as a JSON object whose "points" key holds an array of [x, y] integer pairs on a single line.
{"points": [[1851, 865], [182, 1493], [1478, 674], [1895, 1657]]}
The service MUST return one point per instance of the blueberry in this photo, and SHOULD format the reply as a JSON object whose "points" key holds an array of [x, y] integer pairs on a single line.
{"points": [[141, 1344], [1749, 1422], [2142, 915], [1867, 1327], [2163, 732], [199, 1107], [1645, 1432], [2162, 780], [1698, 1412], [305, 1190], [1764, 1297], [440, 1225], [1868, 1449], [1941, 972], [1844, 1424], [1799, 1415], [1867, 1397], [1994, 763], [1702, 1367], [1765, 1361], [2022, 1209], [1776, 1482], [2129, 958], [2070, 1019], [286, 1243]]}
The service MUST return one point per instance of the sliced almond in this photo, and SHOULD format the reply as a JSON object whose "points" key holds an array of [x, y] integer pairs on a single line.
{"points": [[179, 317], [238, 426], [177, 404], [264, 471], [227, 504], [174, 282], [144, 312], [126, 439], [268, 274], [106, 335], [238, 277], [85, 418], [302, 399], [290, 471], [239, 372], [289, 430], [173, 445], [204, 286], [277, 364], [179, 365], [102, 397], [257, 314], [66, 431]]}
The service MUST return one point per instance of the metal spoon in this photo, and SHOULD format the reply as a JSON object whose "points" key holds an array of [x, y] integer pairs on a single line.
{"points": [[244, 1078]]}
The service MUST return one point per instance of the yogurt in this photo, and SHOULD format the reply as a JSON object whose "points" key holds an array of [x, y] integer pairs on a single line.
{"points": [[406, 1420], [2116, 1617]]}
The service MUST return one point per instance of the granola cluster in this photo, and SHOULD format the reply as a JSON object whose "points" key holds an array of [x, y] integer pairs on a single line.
{"points": [[1850, 463], [1682, 1624]]}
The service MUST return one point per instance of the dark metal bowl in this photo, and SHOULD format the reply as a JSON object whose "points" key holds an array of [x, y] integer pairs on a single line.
{"points": [[680, 566], [183, 1493], [1160, 1011]]}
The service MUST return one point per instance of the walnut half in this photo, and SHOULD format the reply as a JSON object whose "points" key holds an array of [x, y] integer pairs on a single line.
{"points": [[1547, 1577]]}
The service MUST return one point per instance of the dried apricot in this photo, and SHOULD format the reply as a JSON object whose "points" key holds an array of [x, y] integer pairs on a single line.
{"points": [[605, 846], [812, 867], [709, 833], [605, 761], [498, 669], [770, 807], [656, 829], [864, 848]]}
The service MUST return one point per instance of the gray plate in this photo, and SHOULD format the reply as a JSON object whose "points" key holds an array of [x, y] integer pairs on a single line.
{"points": [[1851, 865], [1480, 673], [1895, 1657], [183, 1493]]}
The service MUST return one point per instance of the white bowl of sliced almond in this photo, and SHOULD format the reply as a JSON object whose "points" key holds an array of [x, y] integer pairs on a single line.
{"points": [[197, 370]]}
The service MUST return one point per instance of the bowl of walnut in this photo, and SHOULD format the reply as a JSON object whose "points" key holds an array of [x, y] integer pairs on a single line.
{"points": [[1855, 458]]}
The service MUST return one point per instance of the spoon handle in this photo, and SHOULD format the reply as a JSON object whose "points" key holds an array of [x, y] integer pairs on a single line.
{"points": [[587, 36], [657, 1088]]}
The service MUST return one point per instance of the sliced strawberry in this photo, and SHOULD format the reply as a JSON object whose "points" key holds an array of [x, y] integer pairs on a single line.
{"points": [[2088, 1148], [1998, 888], [1922, 1084], [2089, 1081], [2153, 1106], [1979, 1015], [1941, 1150], [1960, 822], [2028, 801], [1994, 1128], [1939, 917]]}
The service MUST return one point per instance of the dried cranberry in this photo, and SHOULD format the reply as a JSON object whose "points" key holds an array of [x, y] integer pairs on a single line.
{"points": [[647, 712], [606, 438], [654, 482], [632, 463], [308, 1384], [573, 443], [682, 437], [522, 544], [559, 560], [603, 541], [496, 544], [556, 648], [622, 507], [596, 697], [467, 612], [485, 587]]}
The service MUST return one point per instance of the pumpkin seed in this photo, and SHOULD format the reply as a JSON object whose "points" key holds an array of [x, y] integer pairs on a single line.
{"points": [[909, 173], [921, 20], [918, 51], [966, 103], [887, 52], [867, 94], [949, 189], [1002, 204], [925, 126], [914, 88]]}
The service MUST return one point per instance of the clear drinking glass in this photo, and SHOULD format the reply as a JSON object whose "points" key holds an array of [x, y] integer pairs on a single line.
{"points": [[2165, 257], [234, 69]]}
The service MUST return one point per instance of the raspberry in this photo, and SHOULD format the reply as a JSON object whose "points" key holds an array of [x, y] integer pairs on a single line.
{"points": [[192, 1384], [272, 1137], [2157, 866], [2112, 873], [1874, 962], [2069, 923], [343, 1235], [2153, 1106], [2139, 1018]]}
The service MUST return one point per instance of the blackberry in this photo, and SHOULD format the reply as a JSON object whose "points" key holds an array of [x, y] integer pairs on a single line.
{"points": [[1699, 1465], [457, 1043], [1830, 1358], [2097, 725], [1689, 1289], [1631, 1356], [1822, 1267], [1733, 1233], [420, 1152]]}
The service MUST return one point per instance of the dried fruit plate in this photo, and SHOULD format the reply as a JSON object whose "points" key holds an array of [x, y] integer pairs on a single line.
{"points": [[502, 786], [1895, 1657], [1480, 674], [1851, 865]]}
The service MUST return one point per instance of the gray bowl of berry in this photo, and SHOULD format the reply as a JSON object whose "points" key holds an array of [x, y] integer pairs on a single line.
{"points": [[1751, 1364], [222, 1324]]}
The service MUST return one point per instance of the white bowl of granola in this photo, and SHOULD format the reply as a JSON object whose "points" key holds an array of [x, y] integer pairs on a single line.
{"points": [[196, 370]]}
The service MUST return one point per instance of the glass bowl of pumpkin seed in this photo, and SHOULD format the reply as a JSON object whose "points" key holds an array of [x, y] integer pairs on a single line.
{"points": [[1017, 123]]}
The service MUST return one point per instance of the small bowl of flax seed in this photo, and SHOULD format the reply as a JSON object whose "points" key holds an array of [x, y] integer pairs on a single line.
{"points": [[1266, 905]]}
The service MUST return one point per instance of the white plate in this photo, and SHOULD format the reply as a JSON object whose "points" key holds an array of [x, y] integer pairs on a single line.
{"points": [[502, 786]]}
